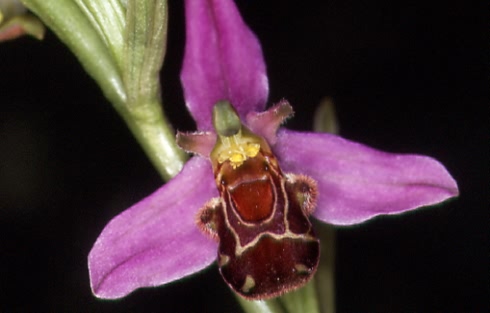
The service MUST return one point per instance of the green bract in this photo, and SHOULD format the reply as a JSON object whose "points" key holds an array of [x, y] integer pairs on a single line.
{"points": [[121, 44]]}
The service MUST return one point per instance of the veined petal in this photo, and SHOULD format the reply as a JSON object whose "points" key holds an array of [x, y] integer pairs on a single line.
{"points": [[223, 61], [155, 241], [356, 182]]}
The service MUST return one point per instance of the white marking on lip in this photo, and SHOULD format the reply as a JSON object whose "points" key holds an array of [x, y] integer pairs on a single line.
{"points": [[249, 284], [301, 268], [223, 260]]}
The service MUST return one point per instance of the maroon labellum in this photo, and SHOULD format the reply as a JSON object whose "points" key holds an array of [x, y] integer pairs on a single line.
{"points": [[266, 243]]}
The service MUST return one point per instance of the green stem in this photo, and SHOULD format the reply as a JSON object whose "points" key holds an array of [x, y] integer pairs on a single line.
{"points": [[157, 137], [325, 275], [261, 306], [326, 121], [303, 300]]}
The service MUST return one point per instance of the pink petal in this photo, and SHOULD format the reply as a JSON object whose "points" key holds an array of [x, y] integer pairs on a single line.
{"points": [[200, 143], [356, 182], [223, 61], [268, 122], [155, 241]]}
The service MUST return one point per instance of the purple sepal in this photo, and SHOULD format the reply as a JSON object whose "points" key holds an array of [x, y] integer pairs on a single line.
{"points": [[156, 241], [223, 61], [356, 182]]}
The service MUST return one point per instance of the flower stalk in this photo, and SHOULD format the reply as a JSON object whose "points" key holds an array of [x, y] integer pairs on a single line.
{"points": [[261, 306], [303, 300], [326, 121]]}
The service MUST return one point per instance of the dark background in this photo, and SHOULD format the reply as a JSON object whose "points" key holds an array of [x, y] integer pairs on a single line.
{"points": [[407, 76]]}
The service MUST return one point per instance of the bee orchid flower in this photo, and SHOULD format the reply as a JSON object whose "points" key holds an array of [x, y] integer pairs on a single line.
{"points": [[337, 181]]}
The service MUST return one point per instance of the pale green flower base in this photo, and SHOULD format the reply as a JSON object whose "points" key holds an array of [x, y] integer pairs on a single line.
{"points": [[303, 300], [325, 275]]}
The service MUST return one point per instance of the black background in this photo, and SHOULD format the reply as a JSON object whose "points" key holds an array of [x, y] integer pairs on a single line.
{"points": [[405, 77]]}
